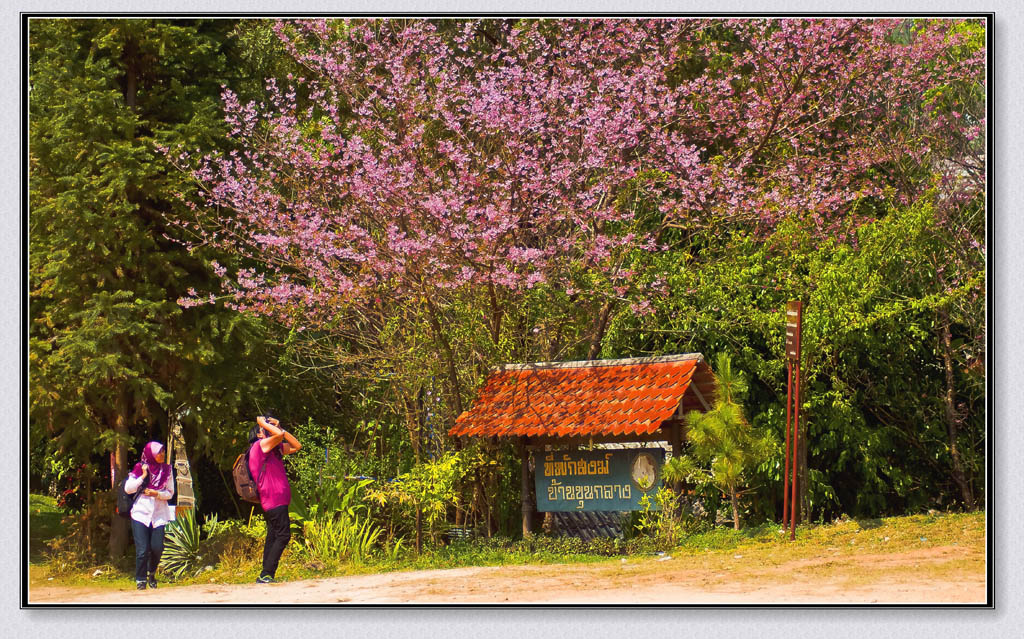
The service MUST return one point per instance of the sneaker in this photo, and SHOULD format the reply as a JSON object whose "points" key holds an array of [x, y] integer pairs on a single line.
{"points": [[152, 581], [264, 579], [140, 585]]}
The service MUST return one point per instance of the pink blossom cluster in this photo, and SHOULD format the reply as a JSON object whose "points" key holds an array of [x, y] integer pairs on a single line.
{"points": [[418, 156]]}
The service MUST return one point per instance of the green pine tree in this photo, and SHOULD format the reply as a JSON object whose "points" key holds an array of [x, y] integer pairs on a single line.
{"points": [[724, 448], [112, 354]]}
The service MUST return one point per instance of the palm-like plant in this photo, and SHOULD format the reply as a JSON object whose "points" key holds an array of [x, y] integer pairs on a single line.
{"points": [[181, 545], [724, 445]]}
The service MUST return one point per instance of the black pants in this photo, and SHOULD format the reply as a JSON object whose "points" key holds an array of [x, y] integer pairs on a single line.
{"points": [[149, 545], [278, 534]]}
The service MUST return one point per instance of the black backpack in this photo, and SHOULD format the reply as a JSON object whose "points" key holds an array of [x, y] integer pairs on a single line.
{"points": [[125, 502], [245, 485]]}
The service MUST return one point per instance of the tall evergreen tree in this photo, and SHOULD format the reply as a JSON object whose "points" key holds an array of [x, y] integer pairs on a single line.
{"points": [[724, 448], [112, 354]]}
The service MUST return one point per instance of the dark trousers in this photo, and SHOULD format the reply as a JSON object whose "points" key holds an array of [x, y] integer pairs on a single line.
{"points": [[278, 534], [149, 545]]}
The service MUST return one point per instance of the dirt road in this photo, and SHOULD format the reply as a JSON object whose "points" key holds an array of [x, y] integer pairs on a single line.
{"points": [[946, 574]]}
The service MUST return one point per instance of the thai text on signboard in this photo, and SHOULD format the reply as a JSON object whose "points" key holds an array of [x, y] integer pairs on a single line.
{"points": [[597, 479]]}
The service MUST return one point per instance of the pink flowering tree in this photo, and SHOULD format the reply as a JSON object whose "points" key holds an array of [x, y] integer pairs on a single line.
{"points": [[442, 173]]}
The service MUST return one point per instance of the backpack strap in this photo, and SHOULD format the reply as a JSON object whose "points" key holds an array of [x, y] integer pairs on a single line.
{"points": [[262, 468], [135, 496]]}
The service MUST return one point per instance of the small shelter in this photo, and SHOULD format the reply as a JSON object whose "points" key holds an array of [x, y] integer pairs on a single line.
{"points": [[588, 402]]}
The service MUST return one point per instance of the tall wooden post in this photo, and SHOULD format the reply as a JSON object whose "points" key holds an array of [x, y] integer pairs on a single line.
{"points": [[524, 475]]}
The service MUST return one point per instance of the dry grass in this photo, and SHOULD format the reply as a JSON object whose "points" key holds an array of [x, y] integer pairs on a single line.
{"points": [[917, 551]]}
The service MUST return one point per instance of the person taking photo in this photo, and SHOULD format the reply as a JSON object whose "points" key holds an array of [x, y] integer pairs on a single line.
{"points": [[268, 445], [150, 513]]}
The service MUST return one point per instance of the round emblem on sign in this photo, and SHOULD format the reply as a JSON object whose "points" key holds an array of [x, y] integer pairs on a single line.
{"points": [[643, 471]]}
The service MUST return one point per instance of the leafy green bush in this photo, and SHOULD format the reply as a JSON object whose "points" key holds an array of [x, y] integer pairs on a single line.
{"points": [[430, 487], [256, 528], [331, 539], [232, 545], [213, 526], [321, 461], [335, 526], [85, 542], [664, 519]]}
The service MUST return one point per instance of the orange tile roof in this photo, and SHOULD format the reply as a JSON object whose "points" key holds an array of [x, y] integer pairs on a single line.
{"points": [[601, 397]]}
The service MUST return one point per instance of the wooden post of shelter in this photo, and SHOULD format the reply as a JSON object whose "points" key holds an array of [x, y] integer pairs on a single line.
{"points": [[677, 450], [524, 492]]}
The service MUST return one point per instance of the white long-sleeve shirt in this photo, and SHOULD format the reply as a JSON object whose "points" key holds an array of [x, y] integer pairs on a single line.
{"points": [[150, 510]]}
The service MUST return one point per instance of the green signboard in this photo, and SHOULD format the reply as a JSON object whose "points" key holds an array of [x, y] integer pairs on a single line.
{"points": [[597, 479]]}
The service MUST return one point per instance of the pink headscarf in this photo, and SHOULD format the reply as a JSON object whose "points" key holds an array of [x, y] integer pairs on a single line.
{"points": [[158, 473]]}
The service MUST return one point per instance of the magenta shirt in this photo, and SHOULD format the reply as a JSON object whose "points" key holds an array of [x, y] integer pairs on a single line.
{"points": [[273, 485]]}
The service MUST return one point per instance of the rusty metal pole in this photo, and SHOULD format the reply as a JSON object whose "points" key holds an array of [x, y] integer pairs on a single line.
{"points": [[789, 418], [794, 324], [796, 439]]}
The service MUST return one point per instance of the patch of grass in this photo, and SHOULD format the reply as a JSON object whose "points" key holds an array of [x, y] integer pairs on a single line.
{"points": [[770, 544], [235, 556], [44, 524], [501, 551], [728, 539]]}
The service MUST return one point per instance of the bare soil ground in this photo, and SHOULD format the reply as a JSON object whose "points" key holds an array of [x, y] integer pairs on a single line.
{"points": [[933, 575]]}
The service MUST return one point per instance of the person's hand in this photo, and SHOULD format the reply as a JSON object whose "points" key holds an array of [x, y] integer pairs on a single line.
{"points": [[145, 469], [150, 492]]}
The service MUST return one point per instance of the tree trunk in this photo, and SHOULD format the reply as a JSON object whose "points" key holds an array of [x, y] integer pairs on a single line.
{"points": [[474, 506], [131, 73], [89, 541], [496, 314], [949, 403], [453, 378], [419, 530], [735, 509], [481, 502], [415, 434], [460, 486], [600, 327], [119, 526], [446, 348]]}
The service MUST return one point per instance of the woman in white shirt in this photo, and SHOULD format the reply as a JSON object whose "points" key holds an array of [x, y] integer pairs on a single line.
{"points": [[150, 512]]}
